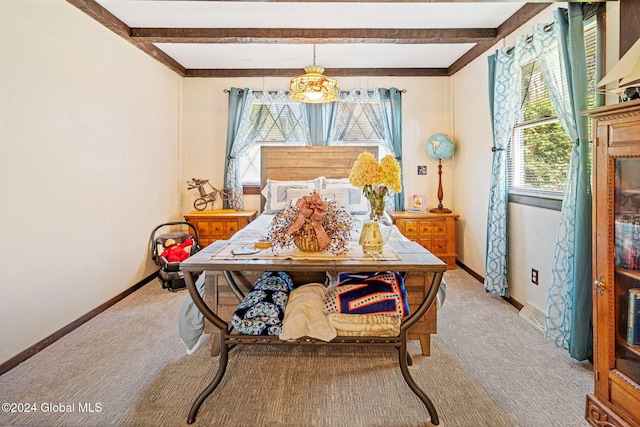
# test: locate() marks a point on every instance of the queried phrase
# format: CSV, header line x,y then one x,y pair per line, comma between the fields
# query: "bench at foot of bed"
x,y
218,294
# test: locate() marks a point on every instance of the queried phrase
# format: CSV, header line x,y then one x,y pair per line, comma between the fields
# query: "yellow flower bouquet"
x,y
376,180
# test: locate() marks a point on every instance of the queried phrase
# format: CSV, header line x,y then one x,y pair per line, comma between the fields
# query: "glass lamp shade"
x,y
313,87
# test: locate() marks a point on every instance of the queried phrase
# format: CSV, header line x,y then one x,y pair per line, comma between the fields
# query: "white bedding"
x,y
258,228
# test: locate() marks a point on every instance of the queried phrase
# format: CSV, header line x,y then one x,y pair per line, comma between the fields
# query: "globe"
x,y
439,146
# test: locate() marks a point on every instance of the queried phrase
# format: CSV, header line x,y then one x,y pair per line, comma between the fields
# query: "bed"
x,y
231,278
292,165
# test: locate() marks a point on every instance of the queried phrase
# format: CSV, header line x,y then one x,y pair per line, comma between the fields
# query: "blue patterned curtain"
x,y
503,75
568,319
248,124
320,118
237,105
392,108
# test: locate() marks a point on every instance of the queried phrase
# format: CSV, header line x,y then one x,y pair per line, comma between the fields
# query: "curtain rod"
x,y
529,38
286,92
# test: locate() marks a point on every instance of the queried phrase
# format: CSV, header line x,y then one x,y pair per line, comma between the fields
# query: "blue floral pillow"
x,y
262,310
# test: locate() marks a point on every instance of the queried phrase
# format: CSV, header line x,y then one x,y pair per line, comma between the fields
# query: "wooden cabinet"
x,y
435,232
616,264
219,224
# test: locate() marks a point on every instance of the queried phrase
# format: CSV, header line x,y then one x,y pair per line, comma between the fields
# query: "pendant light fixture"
x,y
313,86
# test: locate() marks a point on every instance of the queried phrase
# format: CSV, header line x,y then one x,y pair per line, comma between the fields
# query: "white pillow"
x,y
339,195
357,204
331,181
275,192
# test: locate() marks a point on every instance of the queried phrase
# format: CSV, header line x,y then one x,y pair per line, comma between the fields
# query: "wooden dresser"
x,y
219,224
616,266
435,232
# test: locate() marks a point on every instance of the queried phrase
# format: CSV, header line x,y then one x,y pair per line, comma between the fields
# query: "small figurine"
x,y
203,198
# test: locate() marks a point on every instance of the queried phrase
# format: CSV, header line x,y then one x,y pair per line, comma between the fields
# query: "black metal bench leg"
x,y
403,356
222,367
409,359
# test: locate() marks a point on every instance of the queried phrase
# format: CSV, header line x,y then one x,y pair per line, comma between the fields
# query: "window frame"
x,y
546,199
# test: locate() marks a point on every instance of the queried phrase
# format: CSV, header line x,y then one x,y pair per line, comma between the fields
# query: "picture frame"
x,y
419,202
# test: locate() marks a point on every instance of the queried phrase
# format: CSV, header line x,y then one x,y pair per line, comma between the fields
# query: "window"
x,y
356,122
540,150
359,122
275,123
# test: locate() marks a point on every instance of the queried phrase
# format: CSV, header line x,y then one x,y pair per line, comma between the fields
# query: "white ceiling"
x,y
311,15
327,55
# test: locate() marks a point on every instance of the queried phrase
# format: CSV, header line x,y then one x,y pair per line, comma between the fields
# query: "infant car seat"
x,y
170,275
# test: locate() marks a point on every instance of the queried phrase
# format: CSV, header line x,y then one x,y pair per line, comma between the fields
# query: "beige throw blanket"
x,y
303,316
365,325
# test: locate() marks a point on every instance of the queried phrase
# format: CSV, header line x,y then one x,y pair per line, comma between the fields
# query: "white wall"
x,y
612,54
426,110
472,158
532,231
89,164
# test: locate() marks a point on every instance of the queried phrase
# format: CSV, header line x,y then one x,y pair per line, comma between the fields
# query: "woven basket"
x,y
306,239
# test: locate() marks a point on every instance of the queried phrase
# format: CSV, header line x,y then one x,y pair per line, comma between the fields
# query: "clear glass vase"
x,y
376,196
377,208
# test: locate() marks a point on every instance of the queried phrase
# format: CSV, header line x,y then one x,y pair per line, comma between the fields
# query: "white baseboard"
x,y
533,315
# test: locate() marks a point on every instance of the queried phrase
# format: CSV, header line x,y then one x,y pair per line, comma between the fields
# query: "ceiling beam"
x,y
333,72
315,36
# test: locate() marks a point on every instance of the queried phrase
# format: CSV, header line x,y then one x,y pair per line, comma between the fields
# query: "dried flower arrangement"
x,y
312,224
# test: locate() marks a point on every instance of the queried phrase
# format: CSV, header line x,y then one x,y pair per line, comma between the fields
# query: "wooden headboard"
x,y
299,163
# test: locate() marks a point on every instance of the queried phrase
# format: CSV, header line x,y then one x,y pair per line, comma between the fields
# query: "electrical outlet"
x,y
422,170
534,276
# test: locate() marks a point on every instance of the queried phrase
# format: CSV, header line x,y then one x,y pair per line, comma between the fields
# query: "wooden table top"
x,y
414,258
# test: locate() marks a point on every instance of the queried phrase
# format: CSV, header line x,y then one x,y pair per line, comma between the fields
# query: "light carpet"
x,y
127,367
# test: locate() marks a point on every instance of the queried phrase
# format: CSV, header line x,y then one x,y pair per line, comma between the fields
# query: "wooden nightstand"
x,y
219,224
435,232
